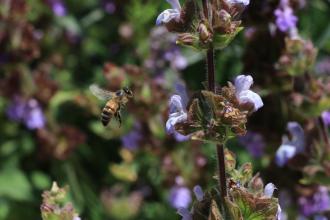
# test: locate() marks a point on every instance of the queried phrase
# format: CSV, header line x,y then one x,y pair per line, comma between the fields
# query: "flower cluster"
x,y
215,117
216,27
55,207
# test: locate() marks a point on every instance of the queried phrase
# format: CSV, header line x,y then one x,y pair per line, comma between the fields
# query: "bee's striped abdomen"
x,y
106,115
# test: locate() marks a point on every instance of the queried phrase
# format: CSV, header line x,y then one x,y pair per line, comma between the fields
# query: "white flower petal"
x,y
285,153
269,190
167,15
243,82
175,104
244,2
298,135
247,96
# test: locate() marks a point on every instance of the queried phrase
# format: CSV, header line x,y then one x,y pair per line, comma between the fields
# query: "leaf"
x,y
215,212
15,185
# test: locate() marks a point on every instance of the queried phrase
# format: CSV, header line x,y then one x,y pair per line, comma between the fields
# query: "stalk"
x,y
324,133
211,87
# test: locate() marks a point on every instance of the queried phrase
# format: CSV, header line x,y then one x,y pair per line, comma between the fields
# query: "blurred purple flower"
x,y
29,112
34,117
16,109
109,6
244,94
285,19
185,213
289,148
316,203
326,117
198,193
254,142
176,59
180,197
58,7
169,14
132,139
323,66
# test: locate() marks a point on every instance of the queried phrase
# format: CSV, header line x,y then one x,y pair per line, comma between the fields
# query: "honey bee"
x,y
115,102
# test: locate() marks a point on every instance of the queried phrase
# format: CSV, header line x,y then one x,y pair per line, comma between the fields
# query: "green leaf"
x,y
14,185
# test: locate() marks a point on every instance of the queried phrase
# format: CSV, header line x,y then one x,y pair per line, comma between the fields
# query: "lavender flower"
x,y
34,117
132,139
58,7
109,6
290,148
326,117
177,114
76,218
244,94
185,213
170,14
322,67
29,112
180,196
316,203
198,193
16,109
254,142
285,19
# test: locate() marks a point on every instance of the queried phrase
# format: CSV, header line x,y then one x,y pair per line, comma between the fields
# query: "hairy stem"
x,y
222,170
211,87
324,132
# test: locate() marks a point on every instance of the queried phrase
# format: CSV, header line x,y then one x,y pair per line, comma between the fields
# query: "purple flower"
x,y
244,94
316,203
323,67
58,7
198,193
16,109
109,6
285,19
180,197
254,142
132,139
29,112
170,14
326,117
185,213
289,148
34,117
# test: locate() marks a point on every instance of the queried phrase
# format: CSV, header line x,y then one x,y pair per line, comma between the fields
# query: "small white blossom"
x,y
269,190
244,2
169,14
244,94
177,113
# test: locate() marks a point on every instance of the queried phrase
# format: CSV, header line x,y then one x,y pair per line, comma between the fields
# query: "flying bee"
x,y
115,102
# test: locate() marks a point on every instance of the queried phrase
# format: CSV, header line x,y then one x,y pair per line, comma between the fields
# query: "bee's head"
x,y
128,92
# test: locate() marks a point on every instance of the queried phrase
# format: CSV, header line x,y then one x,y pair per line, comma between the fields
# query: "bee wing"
x,y
101,93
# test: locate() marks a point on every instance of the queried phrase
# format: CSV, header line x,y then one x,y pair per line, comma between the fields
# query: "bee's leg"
x,y
118,117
